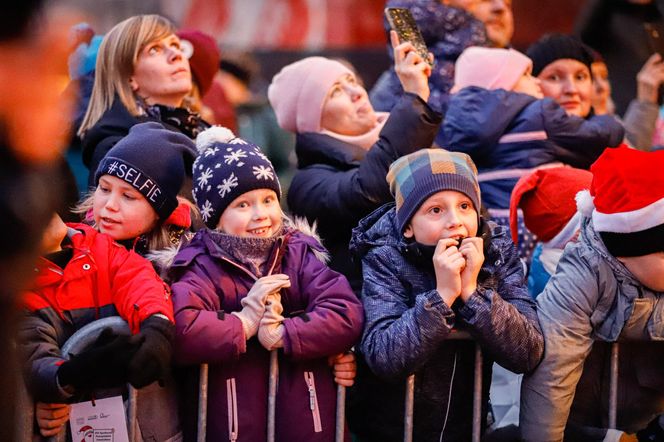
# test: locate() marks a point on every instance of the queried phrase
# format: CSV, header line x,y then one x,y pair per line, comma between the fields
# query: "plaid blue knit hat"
x,y
153,160
227,167
415,177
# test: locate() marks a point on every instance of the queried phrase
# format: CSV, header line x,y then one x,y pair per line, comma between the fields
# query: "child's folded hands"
x,y
271,330
253,305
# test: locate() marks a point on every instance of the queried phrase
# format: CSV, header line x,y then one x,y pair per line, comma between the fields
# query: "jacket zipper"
x,y
313,401
231,397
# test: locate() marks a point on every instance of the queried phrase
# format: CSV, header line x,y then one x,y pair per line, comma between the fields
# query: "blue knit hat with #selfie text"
x,y
154,161
227,167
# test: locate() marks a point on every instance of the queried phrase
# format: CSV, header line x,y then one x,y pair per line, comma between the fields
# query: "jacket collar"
x,y
316,148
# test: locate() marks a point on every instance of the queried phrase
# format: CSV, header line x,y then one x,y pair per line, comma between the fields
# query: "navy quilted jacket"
x,y
407,330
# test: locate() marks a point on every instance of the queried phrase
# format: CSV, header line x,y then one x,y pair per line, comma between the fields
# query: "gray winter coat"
x,y
407,326
592,296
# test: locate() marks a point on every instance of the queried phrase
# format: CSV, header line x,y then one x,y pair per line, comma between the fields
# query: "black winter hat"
x,y
552,47
152,159
227,167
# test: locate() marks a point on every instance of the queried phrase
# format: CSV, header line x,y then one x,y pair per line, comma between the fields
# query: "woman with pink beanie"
x,y
498,116
344,148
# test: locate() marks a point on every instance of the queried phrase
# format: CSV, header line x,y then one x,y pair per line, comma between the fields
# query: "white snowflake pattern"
x,y
227,184
263,173
210,152
207,211
259,154
235,155
237,141
204,177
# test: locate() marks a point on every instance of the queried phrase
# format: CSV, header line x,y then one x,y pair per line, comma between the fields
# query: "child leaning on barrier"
x,y
431,264
82,276
254,282
135,203
607,286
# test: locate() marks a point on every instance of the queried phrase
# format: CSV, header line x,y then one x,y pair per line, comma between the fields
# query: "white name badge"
x,y
102,422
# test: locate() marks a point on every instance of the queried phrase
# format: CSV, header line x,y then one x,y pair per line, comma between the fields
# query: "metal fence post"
x,y
408,414
613,386
201,430
272,395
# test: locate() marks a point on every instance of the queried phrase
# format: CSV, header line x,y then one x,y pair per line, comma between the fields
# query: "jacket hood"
x,y
592,243
379,228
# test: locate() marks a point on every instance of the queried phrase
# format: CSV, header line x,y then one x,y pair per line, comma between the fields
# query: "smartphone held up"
x,y
403,23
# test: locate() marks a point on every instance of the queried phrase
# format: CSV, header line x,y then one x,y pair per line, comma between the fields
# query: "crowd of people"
x,y
485,191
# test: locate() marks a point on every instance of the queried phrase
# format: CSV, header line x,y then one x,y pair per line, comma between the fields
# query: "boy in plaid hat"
x,y
607,287
253,282
431,264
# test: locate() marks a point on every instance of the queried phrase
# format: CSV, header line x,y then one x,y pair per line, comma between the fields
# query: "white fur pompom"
x,y
215,134
584,203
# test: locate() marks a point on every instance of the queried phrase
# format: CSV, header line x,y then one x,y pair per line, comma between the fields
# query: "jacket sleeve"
x,y
639,121
138,292
39,334
412,125
477,118
204,333
579,141
504,320
399,334
564,308
333,320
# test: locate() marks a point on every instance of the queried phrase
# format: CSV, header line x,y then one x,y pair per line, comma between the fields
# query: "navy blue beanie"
x,y
153,160
227,167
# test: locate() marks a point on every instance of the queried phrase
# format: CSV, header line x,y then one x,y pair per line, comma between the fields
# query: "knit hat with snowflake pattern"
x,y
227,167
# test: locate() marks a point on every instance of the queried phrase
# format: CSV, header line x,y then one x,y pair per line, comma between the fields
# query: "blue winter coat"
x,y
323,317
408,328
338,183
507,134
447,31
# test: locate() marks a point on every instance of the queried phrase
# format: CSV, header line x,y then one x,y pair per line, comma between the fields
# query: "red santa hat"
x,y
626,201
546,197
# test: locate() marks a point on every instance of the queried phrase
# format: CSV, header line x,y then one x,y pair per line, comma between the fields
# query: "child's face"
x,y
445,214
253,214
527,84
120,210
647,269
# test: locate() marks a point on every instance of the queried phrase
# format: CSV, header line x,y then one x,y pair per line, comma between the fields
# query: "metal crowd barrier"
x,y
273,381
75,344
477,393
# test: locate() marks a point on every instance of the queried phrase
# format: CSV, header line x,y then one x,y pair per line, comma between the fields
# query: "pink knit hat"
x,y
489,68
298,91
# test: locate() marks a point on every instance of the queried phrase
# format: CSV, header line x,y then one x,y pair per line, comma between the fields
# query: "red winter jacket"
x,y
102,279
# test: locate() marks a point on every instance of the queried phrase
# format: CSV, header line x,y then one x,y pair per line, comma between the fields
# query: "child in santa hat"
x,y
546,200
607,286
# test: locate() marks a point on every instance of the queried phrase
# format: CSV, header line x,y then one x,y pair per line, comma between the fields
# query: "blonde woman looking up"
x,y
141,75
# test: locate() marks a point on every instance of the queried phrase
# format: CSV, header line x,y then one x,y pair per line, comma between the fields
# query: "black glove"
x,y
103,365
152,361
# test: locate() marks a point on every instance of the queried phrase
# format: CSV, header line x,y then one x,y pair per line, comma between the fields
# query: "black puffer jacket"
x,y
337,183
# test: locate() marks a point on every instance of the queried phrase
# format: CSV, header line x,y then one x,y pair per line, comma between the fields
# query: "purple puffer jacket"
x,y
323,317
